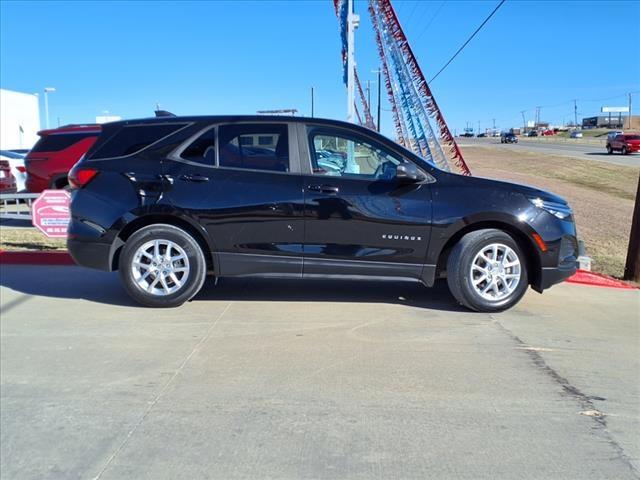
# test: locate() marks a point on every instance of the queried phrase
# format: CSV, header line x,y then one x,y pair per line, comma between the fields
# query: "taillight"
x,y
21,169
80,177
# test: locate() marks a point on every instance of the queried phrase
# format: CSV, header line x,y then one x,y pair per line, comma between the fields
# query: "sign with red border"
x,y
50,213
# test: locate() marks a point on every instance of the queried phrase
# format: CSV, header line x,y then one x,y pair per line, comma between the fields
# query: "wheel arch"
x,y
523,240
155,218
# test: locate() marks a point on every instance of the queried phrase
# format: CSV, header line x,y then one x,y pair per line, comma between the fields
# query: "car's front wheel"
x,y
162,266
624,150
487,271
609,149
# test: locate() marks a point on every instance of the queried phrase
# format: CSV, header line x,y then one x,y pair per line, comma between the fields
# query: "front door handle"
x,y
194,178
323,188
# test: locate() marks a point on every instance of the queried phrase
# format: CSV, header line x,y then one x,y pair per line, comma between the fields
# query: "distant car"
x,y
548,133
51,158
612,135
508,138
624,143
467,134
576,135
482,135
16,161
495,134
7,180
532,133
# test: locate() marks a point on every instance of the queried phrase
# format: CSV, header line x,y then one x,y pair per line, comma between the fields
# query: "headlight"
x,y
560,210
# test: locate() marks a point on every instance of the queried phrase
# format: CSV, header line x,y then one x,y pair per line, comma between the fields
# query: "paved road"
x,y
314,380
549,147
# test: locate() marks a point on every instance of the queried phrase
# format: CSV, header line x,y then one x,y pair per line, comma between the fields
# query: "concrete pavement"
x,y
312,380
556,147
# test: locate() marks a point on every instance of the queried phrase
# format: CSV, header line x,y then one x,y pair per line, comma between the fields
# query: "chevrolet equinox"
x,y
167,201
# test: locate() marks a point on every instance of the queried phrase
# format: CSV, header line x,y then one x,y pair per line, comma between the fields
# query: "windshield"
x,y
8,154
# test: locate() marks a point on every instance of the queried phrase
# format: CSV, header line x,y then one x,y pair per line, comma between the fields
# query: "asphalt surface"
x,y
314,380
593,152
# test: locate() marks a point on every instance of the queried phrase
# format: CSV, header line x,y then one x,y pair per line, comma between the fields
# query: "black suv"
x,y
508,137
169,200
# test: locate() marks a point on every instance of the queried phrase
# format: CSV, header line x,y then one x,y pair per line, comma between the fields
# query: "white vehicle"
x,y
576,134
612,135
16,162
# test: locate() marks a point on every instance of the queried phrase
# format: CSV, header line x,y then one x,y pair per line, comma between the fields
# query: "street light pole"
x,y
379,72
47,91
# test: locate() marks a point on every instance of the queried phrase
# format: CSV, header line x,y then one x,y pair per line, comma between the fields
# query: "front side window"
x,y
342,156
237,148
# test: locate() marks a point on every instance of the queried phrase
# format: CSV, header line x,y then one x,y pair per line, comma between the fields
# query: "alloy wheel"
x,y
160,267
495,272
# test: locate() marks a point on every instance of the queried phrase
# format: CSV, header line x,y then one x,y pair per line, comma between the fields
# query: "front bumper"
x,y
550,276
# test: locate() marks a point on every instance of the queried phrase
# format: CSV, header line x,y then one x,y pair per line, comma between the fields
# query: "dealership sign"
x,y
50,213
615,110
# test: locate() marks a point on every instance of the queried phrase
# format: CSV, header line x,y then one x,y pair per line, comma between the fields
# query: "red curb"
x,y
35,258
584,277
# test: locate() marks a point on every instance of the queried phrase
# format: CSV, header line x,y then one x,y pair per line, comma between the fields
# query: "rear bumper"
x,y
91,254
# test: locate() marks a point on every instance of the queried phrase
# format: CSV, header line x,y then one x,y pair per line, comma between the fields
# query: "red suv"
x,y
55,153
626,143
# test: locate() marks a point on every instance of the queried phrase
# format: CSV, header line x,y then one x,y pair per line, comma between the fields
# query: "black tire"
x,y
194,277
624,150
609,149
460,262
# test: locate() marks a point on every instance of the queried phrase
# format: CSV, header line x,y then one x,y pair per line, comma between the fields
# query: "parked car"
x,y
149,201
7,180
51,158
625,143
508,138
532,133
548,133
16,161
576,134
482,135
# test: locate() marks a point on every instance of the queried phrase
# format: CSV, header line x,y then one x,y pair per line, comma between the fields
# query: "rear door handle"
x,y
323,188
194,178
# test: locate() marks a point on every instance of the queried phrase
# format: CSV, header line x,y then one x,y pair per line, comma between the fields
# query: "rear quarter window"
x,y
133,138
60,141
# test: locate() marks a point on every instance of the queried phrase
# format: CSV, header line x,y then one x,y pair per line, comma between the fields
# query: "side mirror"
x,y
409,173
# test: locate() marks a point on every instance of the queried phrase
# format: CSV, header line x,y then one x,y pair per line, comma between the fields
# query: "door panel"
x,y
254,218
359,219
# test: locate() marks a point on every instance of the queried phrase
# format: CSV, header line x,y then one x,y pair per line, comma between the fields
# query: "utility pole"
x,y
632,265
575,113
353,21
630,117
379,87
369,94
312,102
524,122
478,126
537,117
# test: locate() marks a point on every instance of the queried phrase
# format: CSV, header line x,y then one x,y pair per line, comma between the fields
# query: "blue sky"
x,y
241,56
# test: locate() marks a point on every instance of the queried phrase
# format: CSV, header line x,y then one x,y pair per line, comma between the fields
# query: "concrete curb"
x,y
582,277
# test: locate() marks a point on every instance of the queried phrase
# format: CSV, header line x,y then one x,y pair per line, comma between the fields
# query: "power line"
x,y
410,18
468,40
430,21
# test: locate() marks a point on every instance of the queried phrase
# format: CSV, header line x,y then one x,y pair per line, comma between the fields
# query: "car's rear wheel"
x,y
609,149
487,271
162,266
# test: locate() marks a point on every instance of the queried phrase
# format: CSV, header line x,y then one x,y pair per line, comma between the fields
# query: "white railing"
x,y
16,206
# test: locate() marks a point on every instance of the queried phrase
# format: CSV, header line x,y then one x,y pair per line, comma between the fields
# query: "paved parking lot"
x,y
312,380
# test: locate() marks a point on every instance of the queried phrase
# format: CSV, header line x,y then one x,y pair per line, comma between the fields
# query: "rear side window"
x,y
203,149
133,138
240,147
60,141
